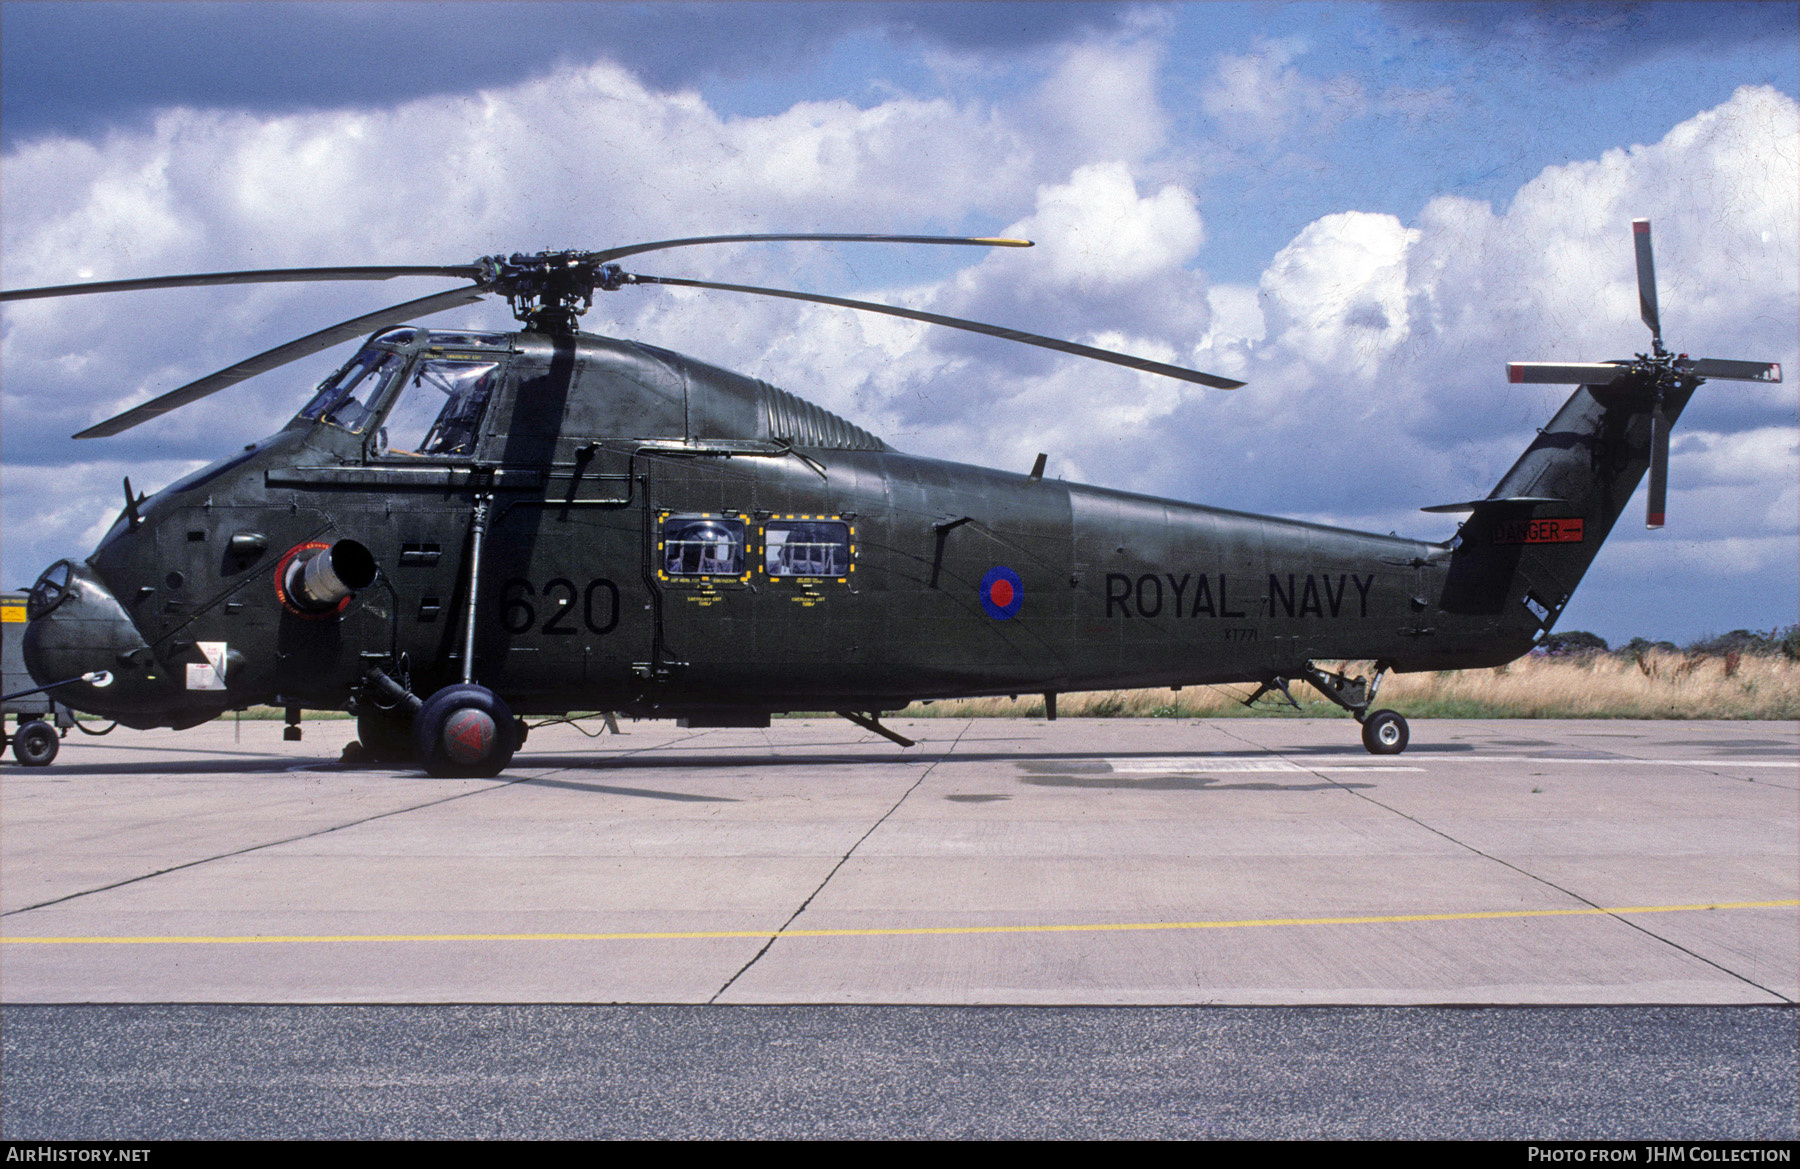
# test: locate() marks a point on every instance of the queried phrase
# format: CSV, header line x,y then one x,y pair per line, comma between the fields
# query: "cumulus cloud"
x,y
1390,330
1337,296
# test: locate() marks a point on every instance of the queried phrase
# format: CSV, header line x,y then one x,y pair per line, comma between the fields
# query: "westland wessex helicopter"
x,y
461,528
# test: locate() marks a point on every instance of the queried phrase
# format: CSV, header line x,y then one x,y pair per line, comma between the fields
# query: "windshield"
x,y
343,399
438,409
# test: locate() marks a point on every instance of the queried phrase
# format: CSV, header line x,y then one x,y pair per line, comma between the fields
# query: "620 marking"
x,y
599,606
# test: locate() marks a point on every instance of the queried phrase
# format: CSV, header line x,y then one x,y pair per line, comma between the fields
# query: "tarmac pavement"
x,y
1083,862
1093,928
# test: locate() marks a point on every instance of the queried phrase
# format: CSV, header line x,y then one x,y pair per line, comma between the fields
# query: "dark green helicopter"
x,y
464,527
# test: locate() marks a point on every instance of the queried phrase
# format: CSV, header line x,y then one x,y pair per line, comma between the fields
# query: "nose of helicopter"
x,y
77,632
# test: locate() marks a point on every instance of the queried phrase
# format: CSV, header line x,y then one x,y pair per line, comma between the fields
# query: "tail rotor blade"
x,y
1732,371
1659,470
1565,373
1646,272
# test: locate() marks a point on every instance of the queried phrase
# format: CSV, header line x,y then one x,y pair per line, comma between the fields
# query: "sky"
x,y
1362,210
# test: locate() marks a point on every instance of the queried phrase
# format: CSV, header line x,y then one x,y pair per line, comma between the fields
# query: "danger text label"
x,y
1566,531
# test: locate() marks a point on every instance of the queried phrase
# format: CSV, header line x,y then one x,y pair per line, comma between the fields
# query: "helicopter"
x,y
461,528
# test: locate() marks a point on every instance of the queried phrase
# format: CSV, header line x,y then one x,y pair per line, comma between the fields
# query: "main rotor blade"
x,y
1646,272
971,241
1658,499
258,276
281,355
1732,371
1565,373
1107,355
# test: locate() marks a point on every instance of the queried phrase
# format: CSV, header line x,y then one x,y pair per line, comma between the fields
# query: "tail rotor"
x,y
1651,375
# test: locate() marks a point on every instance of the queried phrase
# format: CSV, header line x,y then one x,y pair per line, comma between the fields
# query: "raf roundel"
x,y
1001,593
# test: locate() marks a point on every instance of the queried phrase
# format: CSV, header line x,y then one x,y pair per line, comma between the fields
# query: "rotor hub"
x,y
548,291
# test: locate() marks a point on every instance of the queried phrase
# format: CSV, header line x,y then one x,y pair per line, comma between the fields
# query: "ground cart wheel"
x,y
464,731
36,744
1385,733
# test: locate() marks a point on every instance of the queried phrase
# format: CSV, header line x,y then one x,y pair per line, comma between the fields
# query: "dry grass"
x,y
1657,685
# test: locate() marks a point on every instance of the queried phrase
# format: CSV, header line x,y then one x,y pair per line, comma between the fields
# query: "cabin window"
x,y
438,409
343,398
702,545
806,548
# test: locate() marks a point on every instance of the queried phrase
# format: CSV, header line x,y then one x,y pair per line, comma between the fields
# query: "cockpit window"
x,y
343,399
438,410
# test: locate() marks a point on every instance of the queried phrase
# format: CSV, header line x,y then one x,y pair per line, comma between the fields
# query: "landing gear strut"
x,y
466,730
1384,732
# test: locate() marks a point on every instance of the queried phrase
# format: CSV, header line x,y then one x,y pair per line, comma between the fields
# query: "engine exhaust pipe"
x,y
323,581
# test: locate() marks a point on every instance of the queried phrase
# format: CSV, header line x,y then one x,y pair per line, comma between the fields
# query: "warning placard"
x,y
1565,531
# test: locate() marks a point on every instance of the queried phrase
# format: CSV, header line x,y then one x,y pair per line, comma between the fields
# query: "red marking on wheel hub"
x,y
468,736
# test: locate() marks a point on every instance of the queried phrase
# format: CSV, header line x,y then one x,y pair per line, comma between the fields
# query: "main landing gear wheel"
x,y
464,732
36,744
1385,733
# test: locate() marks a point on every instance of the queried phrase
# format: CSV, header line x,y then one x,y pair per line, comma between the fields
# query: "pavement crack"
x,y
1545,881
254,848
308,835
792,917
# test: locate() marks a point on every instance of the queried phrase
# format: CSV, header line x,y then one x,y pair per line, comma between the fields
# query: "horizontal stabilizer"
x,y
1576,373
1509,501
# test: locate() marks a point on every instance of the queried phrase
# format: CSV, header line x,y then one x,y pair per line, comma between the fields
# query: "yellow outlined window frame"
x,y
662,561
762,547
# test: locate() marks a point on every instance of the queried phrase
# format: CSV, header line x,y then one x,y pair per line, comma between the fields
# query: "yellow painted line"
x,y
1107,927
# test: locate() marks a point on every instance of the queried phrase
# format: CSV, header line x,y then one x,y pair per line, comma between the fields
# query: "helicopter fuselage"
x,y
667,539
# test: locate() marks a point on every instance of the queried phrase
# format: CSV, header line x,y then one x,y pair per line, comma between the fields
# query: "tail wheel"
x,y
464,731
36,744
1385,733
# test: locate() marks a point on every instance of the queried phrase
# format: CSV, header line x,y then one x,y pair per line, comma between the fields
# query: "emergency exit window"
x,y
702,545
806,548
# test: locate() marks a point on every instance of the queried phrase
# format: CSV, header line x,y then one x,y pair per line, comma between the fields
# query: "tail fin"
x,y
1518,557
